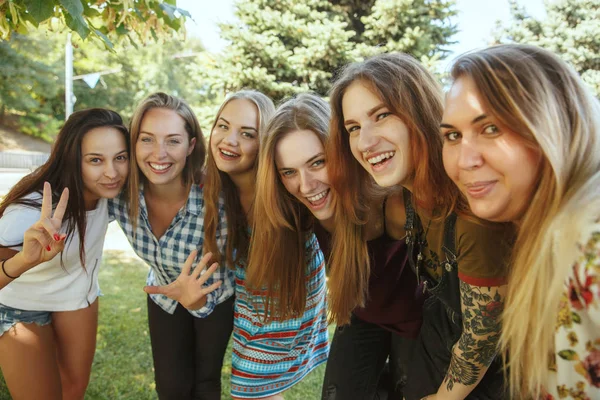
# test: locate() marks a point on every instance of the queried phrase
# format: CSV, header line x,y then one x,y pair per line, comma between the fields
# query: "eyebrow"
x,y
473,122
369,113
310,160
102,155
153,134
243,127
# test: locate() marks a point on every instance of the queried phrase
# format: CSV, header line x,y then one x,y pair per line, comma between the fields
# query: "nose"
x,y
366,139
307,182
110,171
470,155
231,138
160,150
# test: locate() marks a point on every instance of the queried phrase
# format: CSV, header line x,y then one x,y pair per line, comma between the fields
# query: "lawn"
x,y
123,362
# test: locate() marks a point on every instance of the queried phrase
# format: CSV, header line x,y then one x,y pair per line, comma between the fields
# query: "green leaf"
x,y
568,355
40,10
576,318
105,39
74,17
169,10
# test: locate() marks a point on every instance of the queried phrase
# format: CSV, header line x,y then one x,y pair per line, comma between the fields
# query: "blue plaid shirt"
x,y
166,256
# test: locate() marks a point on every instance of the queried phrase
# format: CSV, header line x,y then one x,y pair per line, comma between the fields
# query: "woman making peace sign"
x,y
48,304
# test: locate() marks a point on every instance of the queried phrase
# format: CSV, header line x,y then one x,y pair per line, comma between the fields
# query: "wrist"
x,y
16,265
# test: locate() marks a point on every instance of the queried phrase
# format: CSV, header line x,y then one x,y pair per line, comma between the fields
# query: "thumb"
x,y
155,290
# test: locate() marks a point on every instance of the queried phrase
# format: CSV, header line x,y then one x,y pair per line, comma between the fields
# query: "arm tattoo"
x,y
478,344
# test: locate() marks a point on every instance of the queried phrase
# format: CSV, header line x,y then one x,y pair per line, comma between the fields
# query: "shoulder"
x,y
483,250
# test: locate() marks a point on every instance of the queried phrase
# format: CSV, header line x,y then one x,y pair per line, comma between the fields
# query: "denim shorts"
x,y
9,317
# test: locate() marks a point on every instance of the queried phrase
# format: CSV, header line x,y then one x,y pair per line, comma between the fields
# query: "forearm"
x,y
462,377
477,346
14,266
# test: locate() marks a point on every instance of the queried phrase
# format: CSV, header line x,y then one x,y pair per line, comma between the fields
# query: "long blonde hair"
x,y
217,181
542,99
411,93
194,164
277,260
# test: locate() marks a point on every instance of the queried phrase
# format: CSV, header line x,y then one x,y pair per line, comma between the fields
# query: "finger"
x,y
212,287
61,208
202,265
39,236
203,277
46,201
187,267
50,229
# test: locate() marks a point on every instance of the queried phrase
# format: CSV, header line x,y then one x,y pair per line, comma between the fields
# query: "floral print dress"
x,y
576,372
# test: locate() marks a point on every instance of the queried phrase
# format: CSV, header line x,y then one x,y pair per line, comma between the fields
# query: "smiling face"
x,y
379,140
300,162
493,166
234,139
104,164
163,146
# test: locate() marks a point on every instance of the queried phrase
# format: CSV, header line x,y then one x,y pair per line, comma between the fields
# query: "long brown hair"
x,y
194,164
543,100
218,181
410,92
277,260
63,169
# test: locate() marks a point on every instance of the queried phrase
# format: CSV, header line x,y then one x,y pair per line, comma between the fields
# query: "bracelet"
x,y
6,273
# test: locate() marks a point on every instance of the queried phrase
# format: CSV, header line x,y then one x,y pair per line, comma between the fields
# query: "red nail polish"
x,y
48,248
56,237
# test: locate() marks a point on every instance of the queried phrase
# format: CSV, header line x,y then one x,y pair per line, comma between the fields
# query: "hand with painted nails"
x,y
42,241
188,289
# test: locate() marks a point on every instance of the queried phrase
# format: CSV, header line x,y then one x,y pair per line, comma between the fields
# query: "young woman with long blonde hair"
x,y
522,142
385,121
162,214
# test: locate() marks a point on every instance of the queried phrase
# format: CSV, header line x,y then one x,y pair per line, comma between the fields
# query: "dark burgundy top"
x,y
393,302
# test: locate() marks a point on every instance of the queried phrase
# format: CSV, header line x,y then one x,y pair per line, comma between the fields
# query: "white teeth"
x,y
230,154
318,197
381,157
160,167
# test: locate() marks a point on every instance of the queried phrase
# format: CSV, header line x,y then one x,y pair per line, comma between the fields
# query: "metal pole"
x,y
68,78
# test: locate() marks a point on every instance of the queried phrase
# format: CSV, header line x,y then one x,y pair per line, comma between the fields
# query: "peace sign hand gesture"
x,y
41,241
188,289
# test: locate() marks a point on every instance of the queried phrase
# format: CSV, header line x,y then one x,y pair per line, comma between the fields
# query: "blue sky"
x,y
476,20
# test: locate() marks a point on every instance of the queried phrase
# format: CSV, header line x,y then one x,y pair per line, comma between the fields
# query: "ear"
x,y
192,146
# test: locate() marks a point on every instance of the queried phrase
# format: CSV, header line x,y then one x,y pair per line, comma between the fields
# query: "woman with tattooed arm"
x,y
385,123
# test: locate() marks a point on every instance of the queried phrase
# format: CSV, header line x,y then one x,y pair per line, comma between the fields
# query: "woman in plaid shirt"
x,y
162,215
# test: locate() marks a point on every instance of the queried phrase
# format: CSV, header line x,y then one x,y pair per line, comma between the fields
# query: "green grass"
x,y
123,363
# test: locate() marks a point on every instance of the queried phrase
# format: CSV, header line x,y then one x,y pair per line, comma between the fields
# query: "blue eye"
x,y
318,163
247,135
383,115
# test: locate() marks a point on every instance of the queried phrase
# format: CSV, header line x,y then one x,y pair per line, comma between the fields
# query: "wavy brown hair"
x,y
194,164
411,93
218,182
277,260
542,99
63,170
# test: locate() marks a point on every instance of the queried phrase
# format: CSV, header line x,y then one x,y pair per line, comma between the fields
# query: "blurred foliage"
x,y
282,47
571,29
32,77
136,20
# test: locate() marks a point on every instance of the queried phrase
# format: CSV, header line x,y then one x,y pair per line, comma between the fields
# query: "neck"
x,y
90,203
171,192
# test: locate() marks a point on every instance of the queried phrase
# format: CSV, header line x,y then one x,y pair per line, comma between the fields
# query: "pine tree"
x,y
281,47
571,29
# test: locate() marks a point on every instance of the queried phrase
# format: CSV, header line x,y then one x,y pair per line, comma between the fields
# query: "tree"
x,y
283,47
99,18
571,29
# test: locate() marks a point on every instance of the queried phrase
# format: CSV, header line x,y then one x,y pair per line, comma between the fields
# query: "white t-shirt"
x,y
49,286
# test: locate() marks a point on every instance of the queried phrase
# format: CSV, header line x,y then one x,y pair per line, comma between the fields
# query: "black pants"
x,y
357,358
188,351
